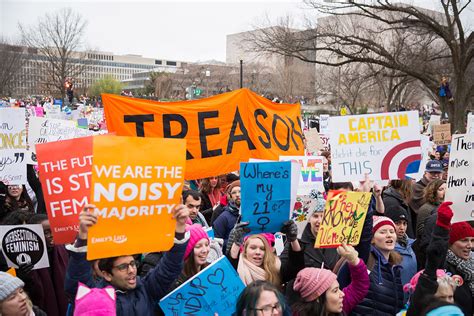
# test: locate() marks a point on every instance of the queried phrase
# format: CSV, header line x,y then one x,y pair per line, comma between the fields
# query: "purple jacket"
x,y
357,290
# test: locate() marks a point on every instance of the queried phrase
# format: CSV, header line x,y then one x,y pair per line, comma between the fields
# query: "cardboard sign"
x,y
214,290
343,218
136,183
460,178
381,145
325,140
268,194
24,244
12,146
313,141
311,176
304,208
442,134
65,169
221,131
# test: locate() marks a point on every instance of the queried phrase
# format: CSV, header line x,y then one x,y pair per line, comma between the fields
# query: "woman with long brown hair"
x,y
433,195
397,196
210,189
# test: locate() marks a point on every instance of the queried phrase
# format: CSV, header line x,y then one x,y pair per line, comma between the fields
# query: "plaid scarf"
x,y
464,267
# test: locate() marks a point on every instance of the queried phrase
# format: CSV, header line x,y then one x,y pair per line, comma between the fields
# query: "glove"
x,y
24,270
290,229
445,214
237,233
349,253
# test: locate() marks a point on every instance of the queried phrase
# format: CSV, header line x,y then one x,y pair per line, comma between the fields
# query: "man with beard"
x,y
226,221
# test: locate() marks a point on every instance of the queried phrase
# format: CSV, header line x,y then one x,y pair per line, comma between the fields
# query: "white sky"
x,y
178,30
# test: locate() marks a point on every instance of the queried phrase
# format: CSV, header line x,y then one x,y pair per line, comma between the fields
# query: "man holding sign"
x,y
135,296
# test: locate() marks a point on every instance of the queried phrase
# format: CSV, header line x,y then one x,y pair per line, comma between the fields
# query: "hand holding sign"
x,y
86,220
181,214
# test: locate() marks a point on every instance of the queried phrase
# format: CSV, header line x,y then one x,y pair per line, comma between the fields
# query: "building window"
x,y
170,63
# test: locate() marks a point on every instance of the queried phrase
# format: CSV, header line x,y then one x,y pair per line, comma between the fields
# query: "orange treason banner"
x,y
135,186
221,131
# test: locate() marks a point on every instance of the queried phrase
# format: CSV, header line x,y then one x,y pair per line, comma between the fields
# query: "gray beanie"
x,y
8,285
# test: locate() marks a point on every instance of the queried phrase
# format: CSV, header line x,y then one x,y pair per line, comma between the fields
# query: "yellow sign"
x,y
136,183
343,218
343,111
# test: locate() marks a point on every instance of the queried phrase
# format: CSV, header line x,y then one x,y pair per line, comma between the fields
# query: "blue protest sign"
x,y
268,194
82,123
214,290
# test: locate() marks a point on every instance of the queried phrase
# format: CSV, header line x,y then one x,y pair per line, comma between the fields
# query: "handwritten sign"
x,y
304,208
65,169
313,142
214,290
442,134
268,193
311,176
12,146
24,244
460,178
325,140
324,123
44,130
381,145
343,218
135,194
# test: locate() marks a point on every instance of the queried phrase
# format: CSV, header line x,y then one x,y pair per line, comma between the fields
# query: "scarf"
x,y
464,267
214,196
249,272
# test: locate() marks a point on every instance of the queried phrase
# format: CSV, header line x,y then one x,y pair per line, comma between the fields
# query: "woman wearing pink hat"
x,y
319,292
195,256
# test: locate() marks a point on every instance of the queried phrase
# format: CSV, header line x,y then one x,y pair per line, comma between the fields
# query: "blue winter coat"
x,y
225,222
141,301
409,263
385,296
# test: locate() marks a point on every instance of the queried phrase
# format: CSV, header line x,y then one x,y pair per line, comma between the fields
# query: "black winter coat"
x,y
313,257
385,296
393,201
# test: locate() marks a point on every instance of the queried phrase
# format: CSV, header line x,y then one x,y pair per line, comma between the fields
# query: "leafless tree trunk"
x,y
58,38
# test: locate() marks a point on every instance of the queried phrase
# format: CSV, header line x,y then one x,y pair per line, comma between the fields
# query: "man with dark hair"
x,y
135,296
192,200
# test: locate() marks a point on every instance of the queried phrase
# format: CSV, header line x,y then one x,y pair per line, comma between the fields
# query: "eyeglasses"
x,y
269,309
124,266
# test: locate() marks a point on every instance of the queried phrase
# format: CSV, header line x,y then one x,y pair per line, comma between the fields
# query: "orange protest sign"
x,y
221,131
136,183
65,173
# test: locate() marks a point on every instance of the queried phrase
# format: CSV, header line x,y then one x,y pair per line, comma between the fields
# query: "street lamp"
x,y
241,74
208,75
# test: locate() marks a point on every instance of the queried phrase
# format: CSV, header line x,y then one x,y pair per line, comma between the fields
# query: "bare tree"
x,y
58,39
11,61
420,43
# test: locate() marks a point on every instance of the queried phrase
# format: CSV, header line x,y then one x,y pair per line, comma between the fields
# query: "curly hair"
x,y
430,193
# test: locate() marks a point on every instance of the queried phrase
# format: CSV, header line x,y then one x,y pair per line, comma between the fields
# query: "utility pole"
x,y
241,74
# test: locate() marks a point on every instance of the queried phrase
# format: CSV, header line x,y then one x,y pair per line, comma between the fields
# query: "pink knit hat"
x,y
196,233
380,221
268,236
411,286
95,301
311,283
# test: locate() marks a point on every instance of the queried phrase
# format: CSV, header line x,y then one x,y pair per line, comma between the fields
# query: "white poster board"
x,y
24,244
324,124
460,178
311,175
12,146
381,145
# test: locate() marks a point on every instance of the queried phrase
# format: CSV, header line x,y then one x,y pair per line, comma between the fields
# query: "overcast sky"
x,y
178,30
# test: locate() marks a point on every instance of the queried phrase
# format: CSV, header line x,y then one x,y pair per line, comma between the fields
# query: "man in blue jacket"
x,y
135,296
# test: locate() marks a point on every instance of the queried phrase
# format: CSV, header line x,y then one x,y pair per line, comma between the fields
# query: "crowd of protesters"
x,y
411,260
